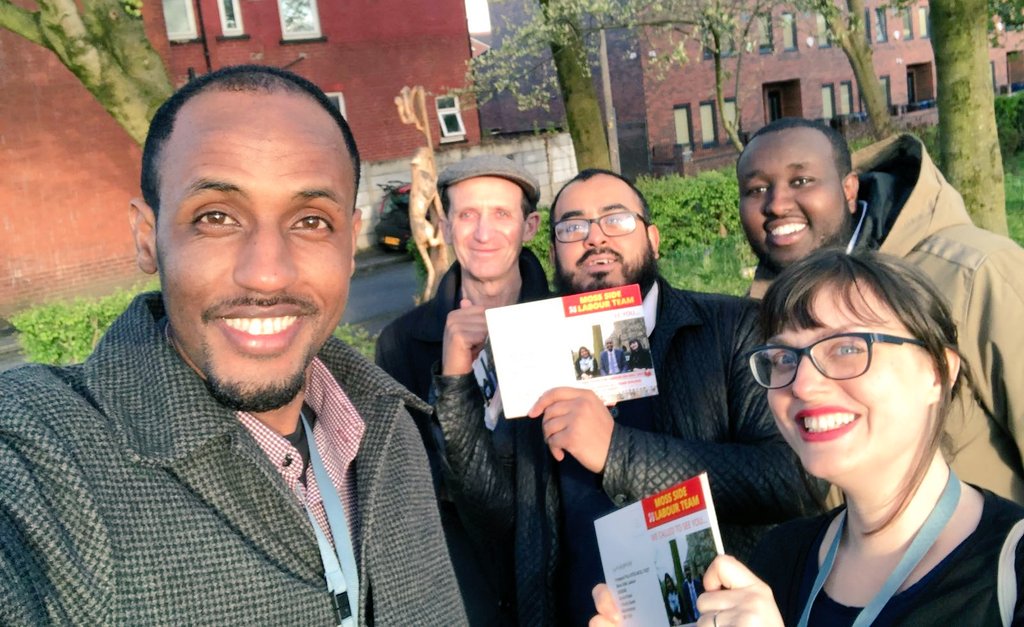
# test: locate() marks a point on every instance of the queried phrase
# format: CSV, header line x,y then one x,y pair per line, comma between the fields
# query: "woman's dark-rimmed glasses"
x,y
839,357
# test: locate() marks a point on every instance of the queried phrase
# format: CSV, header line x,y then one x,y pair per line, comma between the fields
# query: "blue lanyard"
x,y
925,538
340,569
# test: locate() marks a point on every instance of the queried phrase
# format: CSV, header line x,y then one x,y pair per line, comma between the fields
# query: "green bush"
x,y
66,332
1010,124
1014,183
724,267
693,211
540,245
358,338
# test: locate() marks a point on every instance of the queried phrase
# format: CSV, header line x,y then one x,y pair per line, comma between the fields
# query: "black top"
x,y
962,585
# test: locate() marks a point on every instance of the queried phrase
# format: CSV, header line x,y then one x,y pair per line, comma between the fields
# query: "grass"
x,y
1014,175
725,267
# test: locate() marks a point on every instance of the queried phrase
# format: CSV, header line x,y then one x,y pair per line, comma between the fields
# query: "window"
x,y
708,125
765,43
729,113
230,17
788,32
867,25
992,67
299,19
923,22
684,129
908,25
828,101
824,41
448,115
881,26
180,19
338,100
887,90
845,98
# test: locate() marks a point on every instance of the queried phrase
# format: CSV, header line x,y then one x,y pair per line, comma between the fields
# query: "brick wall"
x,y
800,73
69,170
370,49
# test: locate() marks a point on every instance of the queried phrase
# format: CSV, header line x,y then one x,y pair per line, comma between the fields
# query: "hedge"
x,y
66,332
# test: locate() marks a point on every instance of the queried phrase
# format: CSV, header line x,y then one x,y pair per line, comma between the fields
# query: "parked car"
x,y
392,228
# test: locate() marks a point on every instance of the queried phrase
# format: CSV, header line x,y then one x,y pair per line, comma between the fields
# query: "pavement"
x,y
367,262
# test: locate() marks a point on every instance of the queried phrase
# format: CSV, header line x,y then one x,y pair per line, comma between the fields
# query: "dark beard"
x,y
645,274
241,397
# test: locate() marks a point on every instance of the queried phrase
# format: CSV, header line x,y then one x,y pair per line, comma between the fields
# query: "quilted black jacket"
x,y
711,416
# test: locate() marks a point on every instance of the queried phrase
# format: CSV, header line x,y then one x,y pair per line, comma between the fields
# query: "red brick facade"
x,y
795,78
70,170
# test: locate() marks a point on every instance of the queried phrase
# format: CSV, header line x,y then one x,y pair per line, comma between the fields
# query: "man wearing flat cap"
x,y
490,205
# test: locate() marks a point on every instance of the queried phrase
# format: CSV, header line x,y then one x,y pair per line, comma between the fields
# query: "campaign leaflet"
x,y
596,340
655,553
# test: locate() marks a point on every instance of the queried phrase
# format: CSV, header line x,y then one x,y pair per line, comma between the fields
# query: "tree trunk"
x,y
105,47
582,111
852,38
968,141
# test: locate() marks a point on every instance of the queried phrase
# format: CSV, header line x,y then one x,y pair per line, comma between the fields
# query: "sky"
x,y
477,16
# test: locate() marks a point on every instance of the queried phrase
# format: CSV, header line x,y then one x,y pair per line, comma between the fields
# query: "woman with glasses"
x,y
860,368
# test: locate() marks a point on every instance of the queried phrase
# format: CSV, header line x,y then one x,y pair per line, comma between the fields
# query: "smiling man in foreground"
x,y
219,458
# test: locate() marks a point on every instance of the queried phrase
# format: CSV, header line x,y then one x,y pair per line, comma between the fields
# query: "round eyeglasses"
x,y
839,357
611,224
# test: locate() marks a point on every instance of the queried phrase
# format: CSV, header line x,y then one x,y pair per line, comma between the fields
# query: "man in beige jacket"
x,y
800,190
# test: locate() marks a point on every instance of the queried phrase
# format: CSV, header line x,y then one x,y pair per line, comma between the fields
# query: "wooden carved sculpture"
x,y
424,224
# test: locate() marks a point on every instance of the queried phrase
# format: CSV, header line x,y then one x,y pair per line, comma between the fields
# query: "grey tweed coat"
x,y
128,496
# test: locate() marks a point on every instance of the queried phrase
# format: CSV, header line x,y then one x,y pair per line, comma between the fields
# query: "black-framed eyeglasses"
x,y
841,356
611,224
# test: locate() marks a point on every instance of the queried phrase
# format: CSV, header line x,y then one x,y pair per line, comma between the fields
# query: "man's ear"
x,y
143,223
357,226
655,238
851,185
446,229
530,226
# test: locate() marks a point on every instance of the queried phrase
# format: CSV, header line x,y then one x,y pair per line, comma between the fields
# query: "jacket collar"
x,y
907,196
676,309
449,291
160,408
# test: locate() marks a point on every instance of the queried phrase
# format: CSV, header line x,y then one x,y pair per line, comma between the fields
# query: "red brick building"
x,y
69,170
791,69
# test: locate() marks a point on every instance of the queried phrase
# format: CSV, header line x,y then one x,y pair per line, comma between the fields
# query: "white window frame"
x,y
338,98
315,33
226,30
186,35
450,112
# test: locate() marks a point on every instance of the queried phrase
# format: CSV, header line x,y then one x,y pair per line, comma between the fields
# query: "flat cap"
x,y
489,165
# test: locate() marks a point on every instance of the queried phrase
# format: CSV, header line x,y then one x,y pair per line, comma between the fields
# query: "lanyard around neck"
x,y
925,538
340,569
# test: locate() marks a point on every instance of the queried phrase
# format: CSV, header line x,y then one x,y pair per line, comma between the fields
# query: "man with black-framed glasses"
x,y
585,459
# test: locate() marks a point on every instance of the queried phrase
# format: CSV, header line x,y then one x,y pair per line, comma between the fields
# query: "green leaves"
x,y
693,211
64,333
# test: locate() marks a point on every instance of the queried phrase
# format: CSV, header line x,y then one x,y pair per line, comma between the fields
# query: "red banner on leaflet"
x,y
602,300
680,500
